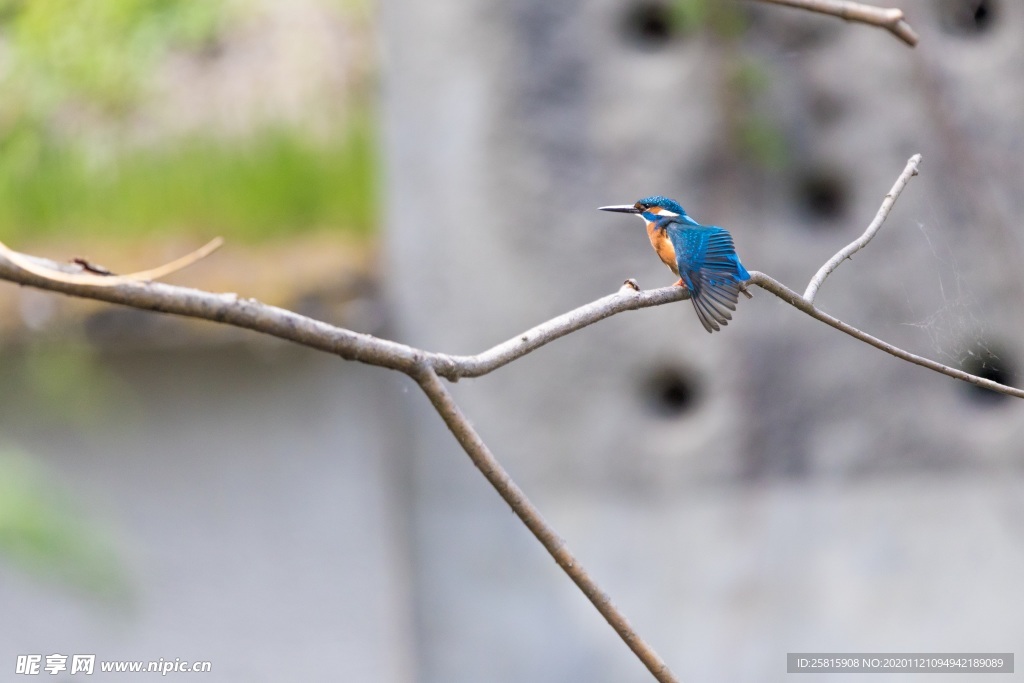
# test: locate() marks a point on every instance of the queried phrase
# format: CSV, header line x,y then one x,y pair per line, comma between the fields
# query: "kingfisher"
x,y
702,256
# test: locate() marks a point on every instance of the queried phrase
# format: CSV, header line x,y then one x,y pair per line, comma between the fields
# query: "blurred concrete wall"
x,y
772,488
256,513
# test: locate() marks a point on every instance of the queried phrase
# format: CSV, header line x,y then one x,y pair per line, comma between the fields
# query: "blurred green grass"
x,y
274,183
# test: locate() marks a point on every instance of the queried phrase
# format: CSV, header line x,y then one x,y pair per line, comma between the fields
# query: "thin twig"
x,y
859,243
489,466
89,276
888,18
174,266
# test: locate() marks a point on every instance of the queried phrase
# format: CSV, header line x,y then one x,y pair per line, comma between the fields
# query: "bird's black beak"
x,y
621,208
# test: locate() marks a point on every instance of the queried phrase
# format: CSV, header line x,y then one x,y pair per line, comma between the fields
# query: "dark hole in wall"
x,y
822,194
649,25
967,17
670,392
987,364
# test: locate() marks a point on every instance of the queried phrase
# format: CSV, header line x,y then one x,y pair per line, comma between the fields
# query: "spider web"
x,y
955,331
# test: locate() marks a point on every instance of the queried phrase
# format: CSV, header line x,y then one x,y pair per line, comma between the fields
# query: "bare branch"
x,y
799,302
888,18
534,521
229,309
254,315
626,299
859,243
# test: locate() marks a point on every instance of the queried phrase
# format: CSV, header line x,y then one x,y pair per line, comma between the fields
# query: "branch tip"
x,y
891,19
853,247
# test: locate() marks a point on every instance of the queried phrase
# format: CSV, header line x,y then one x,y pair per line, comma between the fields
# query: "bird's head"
x,y
651,209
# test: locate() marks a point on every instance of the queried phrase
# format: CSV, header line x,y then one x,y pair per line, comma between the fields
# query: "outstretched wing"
x,y
712,271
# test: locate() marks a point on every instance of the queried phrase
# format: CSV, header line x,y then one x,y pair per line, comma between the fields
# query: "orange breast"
x,y
663,246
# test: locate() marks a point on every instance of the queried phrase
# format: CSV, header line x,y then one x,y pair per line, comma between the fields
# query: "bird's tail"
x,y
714,296
718,283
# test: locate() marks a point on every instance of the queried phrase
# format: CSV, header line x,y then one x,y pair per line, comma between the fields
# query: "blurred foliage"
x,y
65,383
758,138
93,57
748,77
751,129
762,142
690,15
274,183
725,19
98,50
43,532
